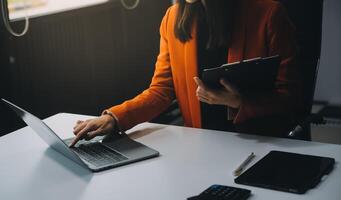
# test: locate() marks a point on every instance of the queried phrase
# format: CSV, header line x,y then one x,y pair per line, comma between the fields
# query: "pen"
x,y
241,167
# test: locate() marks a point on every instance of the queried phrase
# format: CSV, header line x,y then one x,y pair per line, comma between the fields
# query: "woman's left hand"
x,y
227,96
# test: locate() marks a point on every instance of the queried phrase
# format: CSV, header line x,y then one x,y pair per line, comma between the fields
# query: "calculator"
x,y
222,192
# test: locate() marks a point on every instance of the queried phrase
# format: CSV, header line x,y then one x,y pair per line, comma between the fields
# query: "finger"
x,y
210,94
201,87
199,82
227,85
75,140
77,123
79,128
93,134
204,100
206,92
76,126
203,97
80,135
202,92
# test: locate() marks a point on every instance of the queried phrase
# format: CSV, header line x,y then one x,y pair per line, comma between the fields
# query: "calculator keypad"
x,y
221,192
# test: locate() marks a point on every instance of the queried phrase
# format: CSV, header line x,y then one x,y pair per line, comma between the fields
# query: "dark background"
x,y
85,60
80,61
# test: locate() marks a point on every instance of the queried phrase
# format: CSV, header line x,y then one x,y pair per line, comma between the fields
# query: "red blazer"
x,y
262,29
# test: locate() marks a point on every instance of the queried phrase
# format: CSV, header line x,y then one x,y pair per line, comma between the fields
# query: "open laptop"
x,y
98,154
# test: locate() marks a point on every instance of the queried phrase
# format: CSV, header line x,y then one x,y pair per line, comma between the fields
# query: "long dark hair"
x,y
219,17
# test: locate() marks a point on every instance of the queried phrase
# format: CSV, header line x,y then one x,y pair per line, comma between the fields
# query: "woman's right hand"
x,y
103,125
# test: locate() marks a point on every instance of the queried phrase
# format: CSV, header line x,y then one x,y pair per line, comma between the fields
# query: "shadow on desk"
x,y
144,132
277,141
49,175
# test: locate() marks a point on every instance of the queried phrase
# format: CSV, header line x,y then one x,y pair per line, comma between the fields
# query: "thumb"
x,y
199,82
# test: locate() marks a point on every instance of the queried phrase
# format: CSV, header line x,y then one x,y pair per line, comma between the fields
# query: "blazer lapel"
x,y
191,70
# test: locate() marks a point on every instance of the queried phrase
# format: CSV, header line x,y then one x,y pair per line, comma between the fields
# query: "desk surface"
x,y
190,161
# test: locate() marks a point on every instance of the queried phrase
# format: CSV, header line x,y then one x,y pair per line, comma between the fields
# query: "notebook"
x,y
285,171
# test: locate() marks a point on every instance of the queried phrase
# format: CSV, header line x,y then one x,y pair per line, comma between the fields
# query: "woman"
x,y
197,33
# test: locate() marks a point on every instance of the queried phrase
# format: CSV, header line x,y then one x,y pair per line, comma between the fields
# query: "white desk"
x,y
190,161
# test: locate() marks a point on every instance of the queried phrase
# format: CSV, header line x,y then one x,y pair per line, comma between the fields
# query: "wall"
x,y
328,86
80,61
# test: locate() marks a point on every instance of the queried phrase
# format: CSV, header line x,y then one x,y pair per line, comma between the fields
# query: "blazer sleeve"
x,y
157,97
286,99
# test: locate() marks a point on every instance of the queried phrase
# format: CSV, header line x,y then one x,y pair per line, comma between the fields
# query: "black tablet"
x,y
289,172
253,75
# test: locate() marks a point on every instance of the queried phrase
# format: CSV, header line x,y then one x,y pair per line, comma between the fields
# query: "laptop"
x,y
99,154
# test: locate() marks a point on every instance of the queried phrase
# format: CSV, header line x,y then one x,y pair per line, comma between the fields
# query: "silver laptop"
x,y
98,154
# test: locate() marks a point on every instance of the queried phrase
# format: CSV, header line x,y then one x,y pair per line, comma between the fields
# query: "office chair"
x,y
307,17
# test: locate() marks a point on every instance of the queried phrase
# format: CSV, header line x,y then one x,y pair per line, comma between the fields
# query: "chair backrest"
x,y
307,17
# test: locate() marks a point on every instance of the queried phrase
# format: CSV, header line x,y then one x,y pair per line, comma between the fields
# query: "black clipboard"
x,y
289,172
253,75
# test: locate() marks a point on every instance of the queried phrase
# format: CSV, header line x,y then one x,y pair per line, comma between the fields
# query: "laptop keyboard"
x,y
98,154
